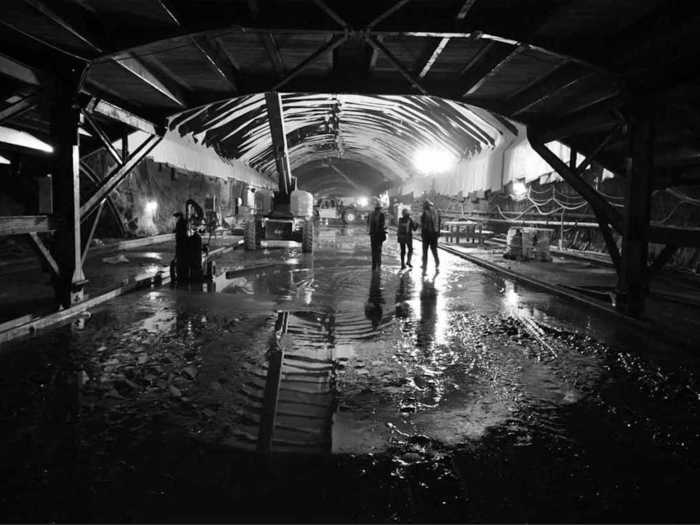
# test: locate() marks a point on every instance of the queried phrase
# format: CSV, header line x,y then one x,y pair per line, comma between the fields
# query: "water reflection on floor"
x,y
394,395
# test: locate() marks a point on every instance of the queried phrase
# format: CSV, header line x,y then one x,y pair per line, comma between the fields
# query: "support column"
x,y
65,117
632,286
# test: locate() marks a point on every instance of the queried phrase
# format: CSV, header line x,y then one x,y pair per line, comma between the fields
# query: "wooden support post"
x,y
632,284
93,228
106,142
65,118
279,141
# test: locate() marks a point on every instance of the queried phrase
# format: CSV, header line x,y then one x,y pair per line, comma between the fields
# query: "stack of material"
x,y
541,239
524,244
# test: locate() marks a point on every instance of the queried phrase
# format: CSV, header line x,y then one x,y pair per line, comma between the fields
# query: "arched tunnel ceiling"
x,y
573,70
381,132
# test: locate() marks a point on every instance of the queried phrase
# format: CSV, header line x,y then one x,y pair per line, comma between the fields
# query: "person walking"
x,y
430,232
406,227
377,233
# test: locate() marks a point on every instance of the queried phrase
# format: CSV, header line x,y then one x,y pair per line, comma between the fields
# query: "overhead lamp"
x,y
519,189
3,160
433,160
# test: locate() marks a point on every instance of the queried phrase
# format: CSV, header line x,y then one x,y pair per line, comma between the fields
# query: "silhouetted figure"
x,y
374,309
182,263
425,334
430,232
377,233
406,227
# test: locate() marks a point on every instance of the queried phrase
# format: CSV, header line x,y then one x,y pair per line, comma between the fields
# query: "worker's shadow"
x,y
374,310
425,329
404,292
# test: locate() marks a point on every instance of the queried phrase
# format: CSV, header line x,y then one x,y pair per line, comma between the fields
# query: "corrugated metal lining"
x,y
383,131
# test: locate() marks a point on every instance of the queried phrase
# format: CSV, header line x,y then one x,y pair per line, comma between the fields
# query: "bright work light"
x,y
433,160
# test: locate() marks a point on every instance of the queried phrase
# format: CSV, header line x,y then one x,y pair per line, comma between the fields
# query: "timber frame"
x,y
586,80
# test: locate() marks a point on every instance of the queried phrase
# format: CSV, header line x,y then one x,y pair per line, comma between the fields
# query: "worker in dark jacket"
x,y
430,231
377,233
405,237
181,253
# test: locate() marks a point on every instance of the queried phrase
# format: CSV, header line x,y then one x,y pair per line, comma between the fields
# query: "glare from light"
x,y
519,189
3,160
433,160
363,201
151,207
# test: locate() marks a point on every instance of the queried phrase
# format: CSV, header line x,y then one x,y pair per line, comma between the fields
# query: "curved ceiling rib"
x,y
381,131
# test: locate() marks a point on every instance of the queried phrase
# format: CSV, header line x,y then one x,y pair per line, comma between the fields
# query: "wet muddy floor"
x,y
307,388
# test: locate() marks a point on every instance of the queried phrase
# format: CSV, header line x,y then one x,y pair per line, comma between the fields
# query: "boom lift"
x,y
286,215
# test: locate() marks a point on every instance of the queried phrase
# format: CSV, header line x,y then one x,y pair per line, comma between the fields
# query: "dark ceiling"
x,y
572,69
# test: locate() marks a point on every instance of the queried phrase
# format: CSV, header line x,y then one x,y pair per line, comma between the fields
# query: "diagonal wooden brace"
x,y
603,210
103,138
45,253
119,174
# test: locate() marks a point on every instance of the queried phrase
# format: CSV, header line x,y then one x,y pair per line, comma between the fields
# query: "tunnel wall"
x,y
176,170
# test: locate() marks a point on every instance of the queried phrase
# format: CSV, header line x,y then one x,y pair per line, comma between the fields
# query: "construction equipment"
x,y
286,215
191,263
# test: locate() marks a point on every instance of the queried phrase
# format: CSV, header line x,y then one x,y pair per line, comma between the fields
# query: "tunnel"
x,y
325,261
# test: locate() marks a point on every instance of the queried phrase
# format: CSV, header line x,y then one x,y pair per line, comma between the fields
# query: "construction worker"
x,y
430,232
406,227
377,233
182,266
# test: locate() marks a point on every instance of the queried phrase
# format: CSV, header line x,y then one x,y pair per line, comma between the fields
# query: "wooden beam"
x,y
379,46
442,44
15,69
331,13
596,151
65,24
275,115
21,106
217,59
632,283
169,11
324,49
106,142
156,80
86,171
386,14
489,60
273,52
610,244
433,57
561,78
44,253
23,224
114,112
583,124
119,174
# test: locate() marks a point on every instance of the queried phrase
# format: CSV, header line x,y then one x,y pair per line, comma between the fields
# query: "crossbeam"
x,y
556,81
42,8
21,106
147,75
114,112
491,58
323,50
217,59
23,224
379,46
103,138
119,174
